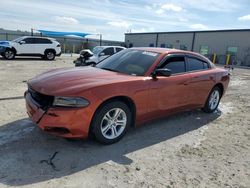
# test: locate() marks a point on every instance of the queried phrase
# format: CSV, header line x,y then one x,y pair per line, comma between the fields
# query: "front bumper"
x,y
63,122
59,54
2,49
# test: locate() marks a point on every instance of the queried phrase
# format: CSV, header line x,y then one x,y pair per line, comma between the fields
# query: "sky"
x,y
113,18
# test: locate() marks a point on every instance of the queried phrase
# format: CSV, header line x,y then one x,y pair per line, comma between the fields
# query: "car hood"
x,y
5,42
72,81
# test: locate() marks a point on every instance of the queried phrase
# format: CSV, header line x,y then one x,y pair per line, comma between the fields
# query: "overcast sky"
x,y
114,18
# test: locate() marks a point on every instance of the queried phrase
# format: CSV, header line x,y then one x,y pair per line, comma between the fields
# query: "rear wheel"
x,y
9,54
213,100
111,121
50,55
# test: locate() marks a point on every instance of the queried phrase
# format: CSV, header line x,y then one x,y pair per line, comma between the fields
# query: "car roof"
x,y
167,51
159,50
111,46
38,37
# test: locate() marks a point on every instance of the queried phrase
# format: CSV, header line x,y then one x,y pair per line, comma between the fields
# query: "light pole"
x,y
100,40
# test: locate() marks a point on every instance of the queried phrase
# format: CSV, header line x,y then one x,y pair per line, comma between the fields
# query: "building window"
x,y
170,46
232,50
204,50
151,45
183,47
163,46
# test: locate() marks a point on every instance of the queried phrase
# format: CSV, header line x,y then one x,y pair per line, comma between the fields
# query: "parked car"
x,y
98,54
127,89
45,47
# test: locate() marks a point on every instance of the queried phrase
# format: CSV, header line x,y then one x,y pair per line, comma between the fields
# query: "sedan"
x,y
129,88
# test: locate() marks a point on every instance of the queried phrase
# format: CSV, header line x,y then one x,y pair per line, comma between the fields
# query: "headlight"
x,y
70,102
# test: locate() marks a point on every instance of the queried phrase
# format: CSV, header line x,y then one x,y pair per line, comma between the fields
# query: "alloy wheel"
x,y
214,99
113,123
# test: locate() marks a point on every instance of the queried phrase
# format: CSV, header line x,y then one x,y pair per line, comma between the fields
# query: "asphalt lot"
x,y
190,149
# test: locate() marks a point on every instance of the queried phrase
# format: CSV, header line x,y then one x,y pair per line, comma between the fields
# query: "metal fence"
x,y
69,44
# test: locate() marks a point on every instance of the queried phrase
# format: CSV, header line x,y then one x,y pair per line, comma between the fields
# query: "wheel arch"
x,y
125,99
220,85
11,48
49,49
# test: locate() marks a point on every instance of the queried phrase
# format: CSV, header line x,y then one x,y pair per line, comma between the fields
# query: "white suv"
x,y
45,47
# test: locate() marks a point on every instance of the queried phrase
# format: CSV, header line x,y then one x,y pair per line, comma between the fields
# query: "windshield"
x,y
18,39
97,49
129,61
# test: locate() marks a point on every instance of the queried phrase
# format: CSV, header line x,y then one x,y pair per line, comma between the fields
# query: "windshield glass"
x,y
18,39
130,61
97,49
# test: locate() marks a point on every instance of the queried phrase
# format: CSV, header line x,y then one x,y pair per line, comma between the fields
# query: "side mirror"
x,y
102,54
162,72
22,42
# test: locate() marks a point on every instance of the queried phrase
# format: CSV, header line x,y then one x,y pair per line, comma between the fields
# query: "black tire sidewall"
x,y
207,108
46,55
8,51
96,123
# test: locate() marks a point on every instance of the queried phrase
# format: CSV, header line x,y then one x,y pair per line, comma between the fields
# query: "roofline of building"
x,y
180,32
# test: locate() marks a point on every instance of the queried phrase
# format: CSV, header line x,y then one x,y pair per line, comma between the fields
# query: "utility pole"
x,y
100,39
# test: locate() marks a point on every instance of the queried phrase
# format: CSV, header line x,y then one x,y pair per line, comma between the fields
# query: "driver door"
x,y
26,47
170,94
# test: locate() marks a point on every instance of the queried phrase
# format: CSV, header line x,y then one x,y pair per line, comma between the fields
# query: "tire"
x,y
49,55
213,100
106,128
9,54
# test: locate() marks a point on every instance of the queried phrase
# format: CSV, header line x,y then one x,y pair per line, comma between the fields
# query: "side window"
x,y
118,49
175,64
195,64
108,51
42,41
29,40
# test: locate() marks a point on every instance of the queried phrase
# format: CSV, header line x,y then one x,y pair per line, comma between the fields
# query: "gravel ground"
x,y
190,149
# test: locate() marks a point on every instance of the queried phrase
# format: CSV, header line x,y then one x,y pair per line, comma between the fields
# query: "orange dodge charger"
x,y
129,88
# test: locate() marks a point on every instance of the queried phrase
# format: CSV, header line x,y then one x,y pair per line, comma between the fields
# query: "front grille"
x,y
44,101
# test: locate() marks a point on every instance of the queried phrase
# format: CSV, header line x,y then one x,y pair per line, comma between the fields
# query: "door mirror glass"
x,y
163,72
22,42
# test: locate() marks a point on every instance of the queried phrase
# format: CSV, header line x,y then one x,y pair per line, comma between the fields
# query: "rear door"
x,y
41,44
201,79
171,93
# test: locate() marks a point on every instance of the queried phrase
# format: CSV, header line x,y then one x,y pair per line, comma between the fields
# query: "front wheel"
x,y
9,54
111,121
213,100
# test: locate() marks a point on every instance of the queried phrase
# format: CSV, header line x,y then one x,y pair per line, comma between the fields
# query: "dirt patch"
x,y
191,149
